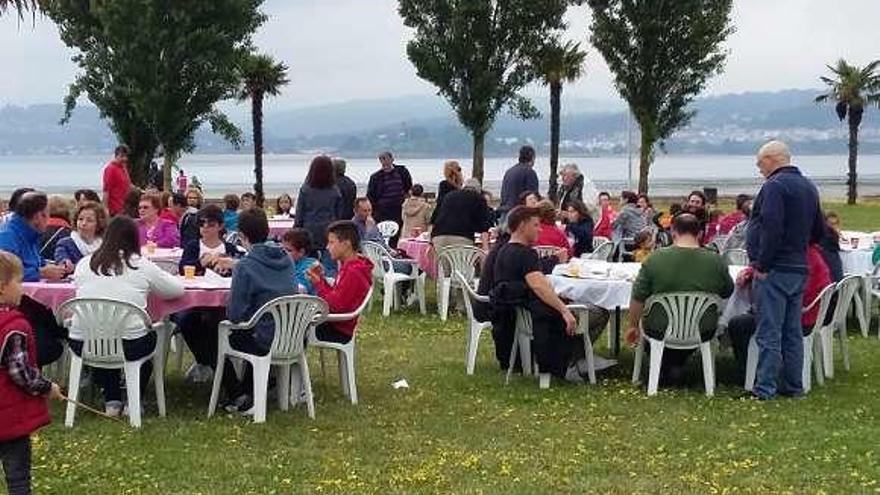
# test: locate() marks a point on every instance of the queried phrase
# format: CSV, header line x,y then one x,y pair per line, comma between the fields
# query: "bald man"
x,y
785,217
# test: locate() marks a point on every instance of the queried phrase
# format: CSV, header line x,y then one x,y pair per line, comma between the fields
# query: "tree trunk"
x,y
257,117
646,157
851,182
555,97
167,166
479,144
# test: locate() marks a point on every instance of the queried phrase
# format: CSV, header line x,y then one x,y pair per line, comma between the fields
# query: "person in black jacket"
x,y
579,226
462,214
188,219
387,189
347,188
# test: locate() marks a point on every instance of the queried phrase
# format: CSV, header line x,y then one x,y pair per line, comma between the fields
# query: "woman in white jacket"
x,y
117,271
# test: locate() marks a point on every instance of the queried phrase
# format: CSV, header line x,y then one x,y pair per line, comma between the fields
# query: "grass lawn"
x,y
452,433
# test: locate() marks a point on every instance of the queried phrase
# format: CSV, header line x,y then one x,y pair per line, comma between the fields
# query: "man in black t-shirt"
x,y
519,281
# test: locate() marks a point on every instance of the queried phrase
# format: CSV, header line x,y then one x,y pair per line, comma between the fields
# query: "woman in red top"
x,y
549,234
603,226
352,282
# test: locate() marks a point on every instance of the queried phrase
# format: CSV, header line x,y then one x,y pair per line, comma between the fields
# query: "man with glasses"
x,y
117,182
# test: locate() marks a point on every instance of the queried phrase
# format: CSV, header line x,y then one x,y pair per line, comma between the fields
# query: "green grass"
x,y
452,433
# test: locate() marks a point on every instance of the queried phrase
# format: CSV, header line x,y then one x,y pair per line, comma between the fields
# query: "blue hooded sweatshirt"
x,y
265,273
21,239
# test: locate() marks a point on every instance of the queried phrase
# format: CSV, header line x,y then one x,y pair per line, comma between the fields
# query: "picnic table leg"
x,y
615,332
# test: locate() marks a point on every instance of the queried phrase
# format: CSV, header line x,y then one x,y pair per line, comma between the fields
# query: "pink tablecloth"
x,y
53,295
421,251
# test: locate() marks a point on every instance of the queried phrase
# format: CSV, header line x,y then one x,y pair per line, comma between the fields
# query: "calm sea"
x,y
670,175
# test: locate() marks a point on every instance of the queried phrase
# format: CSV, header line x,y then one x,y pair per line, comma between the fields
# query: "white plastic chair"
x,y
546,251
601,252
812,348
736,257
464,259
684,310
292,316
474,327
383,272
847,290
345,353
598,240
388,229
102,323
522,345
873,295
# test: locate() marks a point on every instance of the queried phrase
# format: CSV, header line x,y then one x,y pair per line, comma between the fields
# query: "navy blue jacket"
x,y
264,274
785,218
21,239
517,180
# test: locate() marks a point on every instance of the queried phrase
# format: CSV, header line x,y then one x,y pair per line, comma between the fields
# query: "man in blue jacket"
x,y
785,218
20,235
519,179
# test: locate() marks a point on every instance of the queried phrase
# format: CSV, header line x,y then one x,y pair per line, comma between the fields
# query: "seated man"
x,y
682,267
20,235
352,284
367,231
265,273
519,282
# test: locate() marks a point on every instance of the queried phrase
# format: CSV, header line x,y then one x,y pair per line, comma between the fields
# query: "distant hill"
x,y
424,125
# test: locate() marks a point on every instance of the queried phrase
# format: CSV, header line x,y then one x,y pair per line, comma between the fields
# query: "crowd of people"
x,y
102,242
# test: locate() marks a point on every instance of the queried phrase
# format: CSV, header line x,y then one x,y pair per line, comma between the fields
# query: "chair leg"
x,y
283,387
751,365
307,383
513,351
473,343
828,350
321,358
817,359
261,388
708,368
806,373
159,381
218,379
543,381
859,308
637,362
588,356
525,343
73,378
388,298
420,288
655,360
343,375
350,373
133,385
181,345
445,289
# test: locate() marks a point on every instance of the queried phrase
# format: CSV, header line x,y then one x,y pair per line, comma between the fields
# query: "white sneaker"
x,y
199,373
113,408
572,375
125,410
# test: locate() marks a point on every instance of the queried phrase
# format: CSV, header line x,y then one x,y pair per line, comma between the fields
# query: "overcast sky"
x,y
342,50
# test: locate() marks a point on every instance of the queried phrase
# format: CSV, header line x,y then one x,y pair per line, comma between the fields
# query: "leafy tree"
x,y
166,63
20,6
557,64
260,76
852,89
478,54
661,53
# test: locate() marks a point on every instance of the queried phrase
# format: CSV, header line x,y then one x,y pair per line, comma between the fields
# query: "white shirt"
x,y
204,249
132,286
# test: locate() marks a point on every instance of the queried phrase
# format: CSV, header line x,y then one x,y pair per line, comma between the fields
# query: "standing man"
x,y
785,216
572,187
116,181
182,182
347,187
518,179
387,189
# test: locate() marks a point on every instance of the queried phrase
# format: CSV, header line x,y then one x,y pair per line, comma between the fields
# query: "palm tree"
x,y
852,89
20,6
261,76
556,64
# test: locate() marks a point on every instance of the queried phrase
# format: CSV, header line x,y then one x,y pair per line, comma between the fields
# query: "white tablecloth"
x,y
856,240
857,262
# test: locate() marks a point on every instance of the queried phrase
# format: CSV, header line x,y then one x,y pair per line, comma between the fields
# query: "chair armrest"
x,y
228,325
341,317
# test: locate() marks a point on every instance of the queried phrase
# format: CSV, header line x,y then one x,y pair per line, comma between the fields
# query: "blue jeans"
x,y
778,301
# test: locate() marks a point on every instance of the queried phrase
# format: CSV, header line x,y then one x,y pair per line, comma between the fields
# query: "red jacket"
x,y
352,284
818,277
551,235
603,226
20,413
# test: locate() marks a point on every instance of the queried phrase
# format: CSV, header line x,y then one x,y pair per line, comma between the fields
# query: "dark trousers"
x,y
554,349
199,330
16,457
244,342
394,214
133,350
47,333
328,333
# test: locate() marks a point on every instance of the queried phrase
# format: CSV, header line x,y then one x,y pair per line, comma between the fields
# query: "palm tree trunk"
x,y
852,179
167,166
646,156
257,117
479,144
555,97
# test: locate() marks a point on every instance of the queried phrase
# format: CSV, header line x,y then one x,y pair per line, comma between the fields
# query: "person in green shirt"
x,y
876,256
682,267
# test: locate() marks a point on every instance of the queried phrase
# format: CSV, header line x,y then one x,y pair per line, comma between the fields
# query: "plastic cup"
x,y
189,272
854,242
151,247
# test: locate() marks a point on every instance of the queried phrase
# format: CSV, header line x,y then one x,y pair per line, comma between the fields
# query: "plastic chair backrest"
x,y
546,251
824,301
846,289
472,295
602,252
379,256
464,259
523,323
599,240
684,310
293,317
388,228
103,323
736,257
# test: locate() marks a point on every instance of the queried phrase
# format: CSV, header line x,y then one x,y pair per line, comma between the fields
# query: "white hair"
x,y
473,183
570,167
777,150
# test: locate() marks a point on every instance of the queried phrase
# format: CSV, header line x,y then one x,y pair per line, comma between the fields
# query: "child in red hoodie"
x,y
23,390
352,283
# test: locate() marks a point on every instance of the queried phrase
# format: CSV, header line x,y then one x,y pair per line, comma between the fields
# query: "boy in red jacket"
x,y
352,283
23,390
